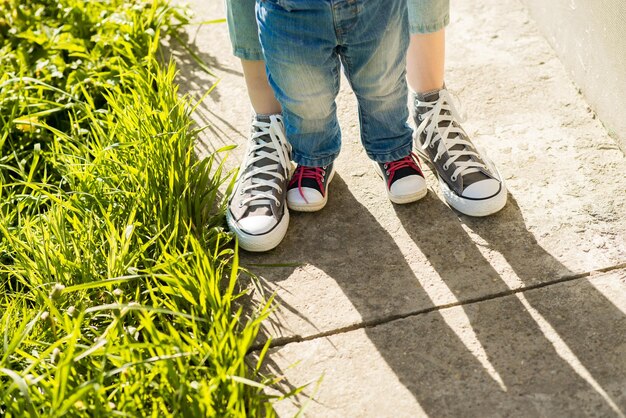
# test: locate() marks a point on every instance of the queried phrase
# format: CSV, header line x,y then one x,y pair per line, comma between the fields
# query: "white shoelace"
x,y
446,139
269,136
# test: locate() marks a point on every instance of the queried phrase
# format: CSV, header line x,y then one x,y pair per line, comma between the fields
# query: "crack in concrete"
x,y
283,341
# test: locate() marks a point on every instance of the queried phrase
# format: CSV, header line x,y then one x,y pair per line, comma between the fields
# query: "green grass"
x,y
119,286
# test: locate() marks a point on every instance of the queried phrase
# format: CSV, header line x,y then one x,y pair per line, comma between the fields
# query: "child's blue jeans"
x,y
305,43
304,53
425,16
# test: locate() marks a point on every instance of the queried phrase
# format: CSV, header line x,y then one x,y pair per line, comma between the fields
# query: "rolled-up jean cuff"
x,y
430,27
394,155
313,162
243,30
428,16
248,54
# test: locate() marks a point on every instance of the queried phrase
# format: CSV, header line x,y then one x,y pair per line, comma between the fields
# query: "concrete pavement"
x,y
416,310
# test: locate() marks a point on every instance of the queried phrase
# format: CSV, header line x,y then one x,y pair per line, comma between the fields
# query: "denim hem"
x,y
313,162
394,155
248,54
431,27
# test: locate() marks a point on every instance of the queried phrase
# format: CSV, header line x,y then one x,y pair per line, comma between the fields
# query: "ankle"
x,y
263,117
425,93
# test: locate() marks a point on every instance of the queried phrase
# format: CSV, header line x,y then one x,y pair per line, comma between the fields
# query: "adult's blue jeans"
x,y
305,43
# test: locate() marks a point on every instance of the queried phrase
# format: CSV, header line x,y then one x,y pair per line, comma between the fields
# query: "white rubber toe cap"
x,y
255,225
259,233
483,189
407,189
311,197
408,186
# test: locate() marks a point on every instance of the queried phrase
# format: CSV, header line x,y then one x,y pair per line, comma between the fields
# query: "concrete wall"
x,y
590,38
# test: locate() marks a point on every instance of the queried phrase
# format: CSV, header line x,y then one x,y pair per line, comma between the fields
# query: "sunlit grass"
x,y
118,283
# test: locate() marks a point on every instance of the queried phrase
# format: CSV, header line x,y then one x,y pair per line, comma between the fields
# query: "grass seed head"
x,y
56,291
55,355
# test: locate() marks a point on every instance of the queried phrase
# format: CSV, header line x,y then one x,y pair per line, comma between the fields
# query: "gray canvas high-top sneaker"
x,y
469,181
257,212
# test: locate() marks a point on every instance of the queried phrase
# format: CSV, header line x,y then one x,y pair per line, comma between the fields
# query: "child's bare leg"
x,y
261,94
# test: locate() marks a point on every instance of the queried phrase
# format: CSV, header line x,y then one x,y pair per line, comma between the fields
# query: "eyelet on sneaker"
x,y
387,172
446,166
240,204
385,167
453,178
277,204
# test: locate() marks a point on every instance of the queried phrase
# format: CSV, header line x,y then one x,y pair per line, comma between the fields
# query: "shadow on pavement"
x,y
480,358
539,353
190,60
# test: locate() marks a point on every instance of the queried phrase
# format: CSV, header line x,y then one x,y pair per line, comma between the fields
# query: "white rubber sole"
x,y
312,207
404,199
469,207
401,200
259,243
475,208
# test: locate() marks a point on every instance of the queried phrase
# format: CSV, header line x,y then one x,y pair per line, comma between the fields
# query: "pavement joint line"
x,y
283,341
